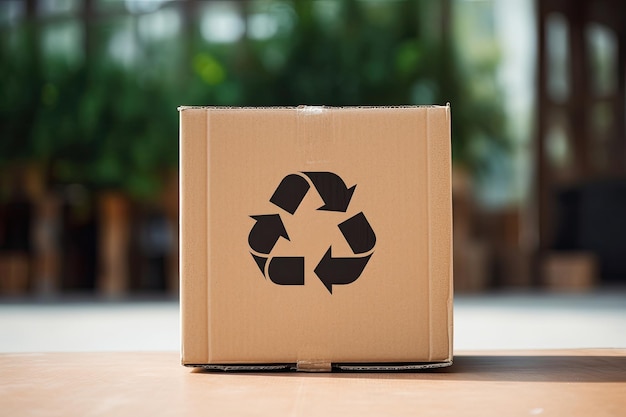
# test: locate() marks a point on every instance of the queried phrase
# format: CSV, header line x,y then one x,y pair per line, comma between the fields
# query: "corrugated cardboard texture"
x,y
400,307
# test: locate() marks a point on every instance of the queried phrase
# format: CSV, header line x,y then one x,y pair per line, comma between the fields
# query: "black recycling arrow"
x,y
358,233
260,262
285,270
339,271
289,270
332,189
266,232
290,193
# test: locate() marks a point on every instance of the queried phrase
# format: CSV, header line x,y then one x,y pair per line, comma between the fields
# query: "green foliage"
x,y
96,124
107,124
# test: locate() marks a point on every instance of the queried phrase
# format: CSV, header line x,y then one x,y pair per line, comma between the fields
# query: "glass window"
x,y
57,7
121,40
222,22
110,5
62,41
557,57
557,142
160,25
11,11
602,46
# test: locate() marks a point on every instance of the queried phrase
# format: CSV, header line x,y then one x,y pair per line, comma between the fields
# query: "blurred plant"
x,y
94,124
109,125
362,53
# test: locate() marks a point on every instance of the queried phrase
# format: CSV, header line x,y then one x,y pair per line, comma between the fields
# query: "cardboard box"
x,y
316,237
570,271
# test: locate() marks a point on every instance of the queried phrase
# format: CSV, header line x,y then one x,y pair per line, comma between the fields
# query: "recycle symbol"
x,y
289,270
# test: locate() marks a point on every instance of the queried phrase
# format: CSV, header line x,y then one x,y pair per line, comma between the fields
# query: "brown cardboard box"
x,y
316,236
570,271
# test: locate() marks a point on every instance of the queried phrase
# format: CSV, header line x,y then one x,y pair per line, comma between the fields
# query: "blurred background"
x,y
89,145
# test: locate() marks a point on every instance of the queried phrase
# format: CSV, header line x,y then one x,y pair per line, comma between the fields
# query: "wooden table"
x,y
509,383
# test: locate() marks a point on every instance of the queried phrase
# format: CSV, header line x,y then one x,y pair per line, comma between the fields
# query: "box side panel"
x,y
440,232
398,310
193,235
383,316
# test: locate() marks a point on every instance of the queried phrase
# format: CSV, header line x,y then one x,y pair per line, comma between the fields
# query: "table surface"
x,y
589,382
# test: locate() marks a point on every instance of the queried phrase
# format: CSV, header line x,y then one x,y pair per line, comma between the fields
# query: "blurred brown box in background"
x,y
570,271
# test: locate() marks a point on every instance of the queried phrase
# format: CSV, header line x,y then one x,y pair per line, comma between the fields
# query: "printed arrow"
x,y
260,262
284,270
290,193
266,232
332,189
339,271
358,233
